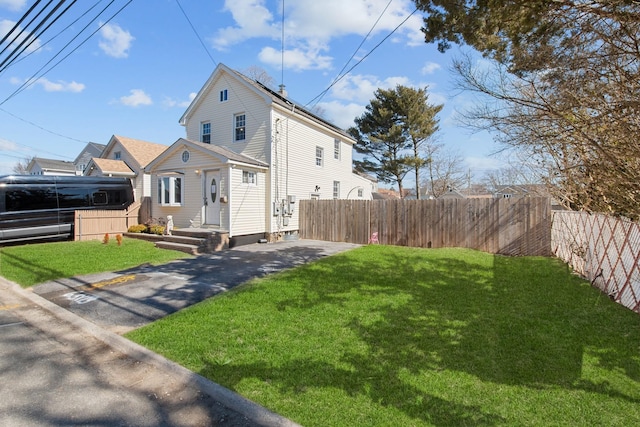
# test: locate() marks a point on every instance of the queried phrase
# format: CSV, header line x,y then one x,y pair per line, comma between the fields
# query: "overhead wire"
x,y
363,58
70,25
375,24
17,24
29,82
35,37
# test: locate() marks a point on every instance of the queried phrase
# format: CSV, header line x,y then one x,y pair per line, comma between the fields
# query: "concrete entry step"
x,y
204,240
182,247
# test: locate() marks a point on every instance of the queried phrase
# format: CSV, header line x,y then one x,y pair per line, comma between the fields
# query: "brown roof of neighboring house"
x,y
142,151
115,167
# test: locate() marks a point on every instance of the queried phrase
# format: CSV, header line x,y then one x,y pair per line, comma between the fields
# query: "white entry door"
x,y
212,197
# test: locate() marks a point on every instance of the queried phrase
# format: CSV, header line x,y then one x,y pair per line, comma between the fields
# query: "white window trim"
x,y
248,182
336,189
172,196
337,149
202,134
319,158
236,127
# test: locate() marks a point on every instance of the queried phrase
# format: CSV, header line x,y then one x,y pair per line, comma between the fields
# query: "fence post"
x,y
80,227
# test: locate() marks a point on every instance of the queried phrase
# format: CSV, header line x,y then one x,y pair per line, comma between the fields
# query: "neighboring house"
x,y
127,157
90,151
525,190
250,155
451,194
41,166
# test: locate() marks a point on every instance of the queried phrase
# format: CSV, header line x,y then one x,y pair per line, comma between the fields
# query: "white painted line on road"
x,y
11,324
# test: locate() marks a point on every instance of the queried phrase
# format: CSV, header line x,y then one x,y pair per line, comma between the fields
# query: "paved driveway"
x,y
128,299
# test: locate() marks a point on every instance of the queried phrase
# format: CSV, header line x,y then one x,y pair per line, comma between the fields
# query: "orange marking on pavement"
x,y
10,306
114,281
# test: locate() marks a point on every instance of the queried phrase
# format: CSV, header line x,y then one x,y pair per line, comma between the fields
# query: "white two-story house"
x,y
250,155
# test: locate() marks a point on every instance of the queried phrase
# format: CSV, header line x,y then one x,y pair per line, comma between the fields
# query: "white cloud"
x,y
115,42
136,99
361,88
60,86
341,115
253,19
311,25
13,5
6,145
430,68
6,26
170,102
295,59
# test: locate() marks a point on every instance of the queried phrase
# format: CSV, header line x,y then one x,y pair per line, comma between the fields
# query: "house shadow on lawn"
x,y
513,321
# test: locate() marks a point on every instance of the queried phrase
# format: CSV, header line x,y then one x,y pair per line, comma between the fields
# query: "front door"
x,y
212,197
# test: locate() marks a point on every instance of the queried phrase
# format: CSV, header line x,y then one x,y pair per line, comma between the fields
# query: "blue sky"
x,y
137,74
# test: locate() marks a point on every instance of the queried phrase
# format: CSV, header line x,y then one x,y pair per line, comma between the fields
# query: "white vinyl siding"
x,y
192,209
303,176
248,204
242,100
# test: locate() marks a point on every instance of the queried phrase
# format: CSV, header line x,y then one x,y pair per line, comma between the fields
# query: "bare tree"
x,y
565,92
22,167
443,170
260,75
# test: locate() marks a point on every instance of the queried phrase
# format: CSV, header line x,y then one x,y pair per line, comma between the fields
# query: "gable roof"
x,y
52,164
227,156
141,151
266,93
110,167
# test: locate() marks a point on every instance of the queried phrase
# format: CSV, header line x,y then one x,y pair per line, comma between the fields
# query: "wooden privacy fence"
x,y
502,226
603,249
94,224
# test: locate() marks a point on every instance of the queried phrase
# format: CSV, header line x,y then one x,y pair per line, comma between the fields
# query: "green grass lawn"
x,y
394,336
28,265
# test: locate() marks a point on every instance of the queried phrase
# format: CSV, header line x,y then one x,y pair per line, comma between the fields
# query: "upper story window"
x,y
336,149
249,177
360,192
170,190
336,189
224,95
117,155
206,133
319,156
240,127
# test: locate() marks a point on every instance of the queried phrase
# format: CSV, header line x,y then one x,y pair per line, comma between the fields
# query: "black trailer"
x,y
42,206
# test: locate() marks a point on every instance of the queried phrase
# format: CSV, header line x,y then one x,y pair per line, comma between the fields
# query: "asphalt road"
x,y
53,373
125,300
62,364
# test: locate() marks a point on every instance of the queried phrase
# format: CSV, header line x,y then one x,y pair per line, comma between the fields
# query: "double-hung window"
x,y
336,149
224,95
206,133
249,178
240,122
170,190
336,189
319,156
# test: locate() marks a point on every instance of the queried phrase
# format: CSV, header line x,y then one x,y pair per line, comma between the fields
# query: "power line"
x,y
33,78
196,33
363,58
41,128
324,92
34,38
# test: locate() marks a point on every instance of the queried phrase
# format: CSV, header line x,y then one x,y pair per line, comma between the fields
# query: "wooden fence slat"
x,y
505,226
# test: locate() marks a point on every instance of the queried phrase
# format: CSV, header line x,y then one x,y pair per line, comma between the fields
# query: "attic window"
x,y
224,95
185,156
117,155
